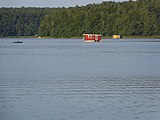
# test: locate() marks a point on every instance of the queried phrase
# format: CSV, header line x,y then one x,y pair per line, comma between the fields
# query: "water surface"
x,y
67,79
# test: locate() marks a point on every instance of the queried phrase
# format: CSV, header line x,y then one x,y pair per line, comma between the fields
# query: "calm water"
x,y
66,79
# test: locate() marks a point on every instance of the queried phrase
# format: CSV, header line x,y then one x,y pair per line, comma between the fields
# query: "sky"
x,y
49,3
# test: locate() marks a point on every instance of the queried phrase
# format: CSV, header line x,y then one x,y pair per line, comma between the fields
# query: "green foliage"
x,y
20,21
140,18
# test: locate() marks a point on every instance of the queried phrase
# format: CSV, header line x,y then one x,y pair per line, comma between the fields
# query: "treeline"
x,y
140,18
20,21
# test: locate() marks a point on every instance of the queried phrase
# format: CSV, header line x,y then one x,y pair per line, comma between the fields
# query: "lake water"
x,y
67,79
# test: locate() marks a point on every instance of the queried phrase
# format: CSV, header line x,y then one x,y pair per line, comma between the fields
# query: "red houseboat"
x,y
92,37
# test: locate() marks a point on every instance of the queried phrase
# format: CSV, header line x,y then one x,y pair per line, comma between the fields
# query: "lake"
x,y
67,79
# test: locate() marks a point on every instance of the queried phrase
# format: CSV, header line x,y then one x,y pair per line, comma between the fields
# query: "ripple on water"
x,y
131,98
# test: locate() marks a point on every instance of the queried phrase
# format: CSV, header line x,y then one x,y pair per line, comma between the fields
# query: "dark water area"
x,y
67,79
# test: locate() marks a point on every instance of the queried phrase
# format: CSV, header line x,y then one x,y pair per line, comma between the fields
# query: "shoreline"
x,y
103,37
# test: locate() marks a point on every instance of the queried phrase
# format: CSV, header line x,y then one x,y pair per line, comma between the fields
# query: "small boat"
x,y
39,37
117,36
17,42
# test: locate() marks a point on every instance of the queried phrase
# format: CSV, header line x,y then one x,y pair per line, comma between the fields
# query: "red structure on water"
x,y
92,37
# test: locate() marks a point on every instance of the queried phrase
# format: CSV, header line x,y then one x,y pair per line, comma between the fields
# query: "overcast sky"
x,y
48,3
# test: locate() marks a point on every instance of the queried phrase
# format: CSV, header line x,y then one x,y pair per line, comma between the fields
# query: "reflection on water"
x,y
60,80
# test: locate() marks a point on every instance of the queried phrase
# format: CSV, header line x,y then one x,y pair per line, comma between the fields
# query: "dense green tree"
x,y
140,18
20,21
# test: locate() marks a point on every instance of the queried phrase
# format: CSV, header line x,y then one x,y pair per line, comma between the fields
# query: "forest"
x,y
128,18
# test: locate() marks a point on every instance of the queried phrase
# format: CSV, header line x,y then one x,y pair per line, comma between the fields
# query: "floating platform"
x,y
92,37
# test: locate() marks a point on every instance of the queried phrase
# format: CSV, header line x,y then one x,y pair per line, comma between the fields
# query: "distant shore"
x,y
134,37
103,37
